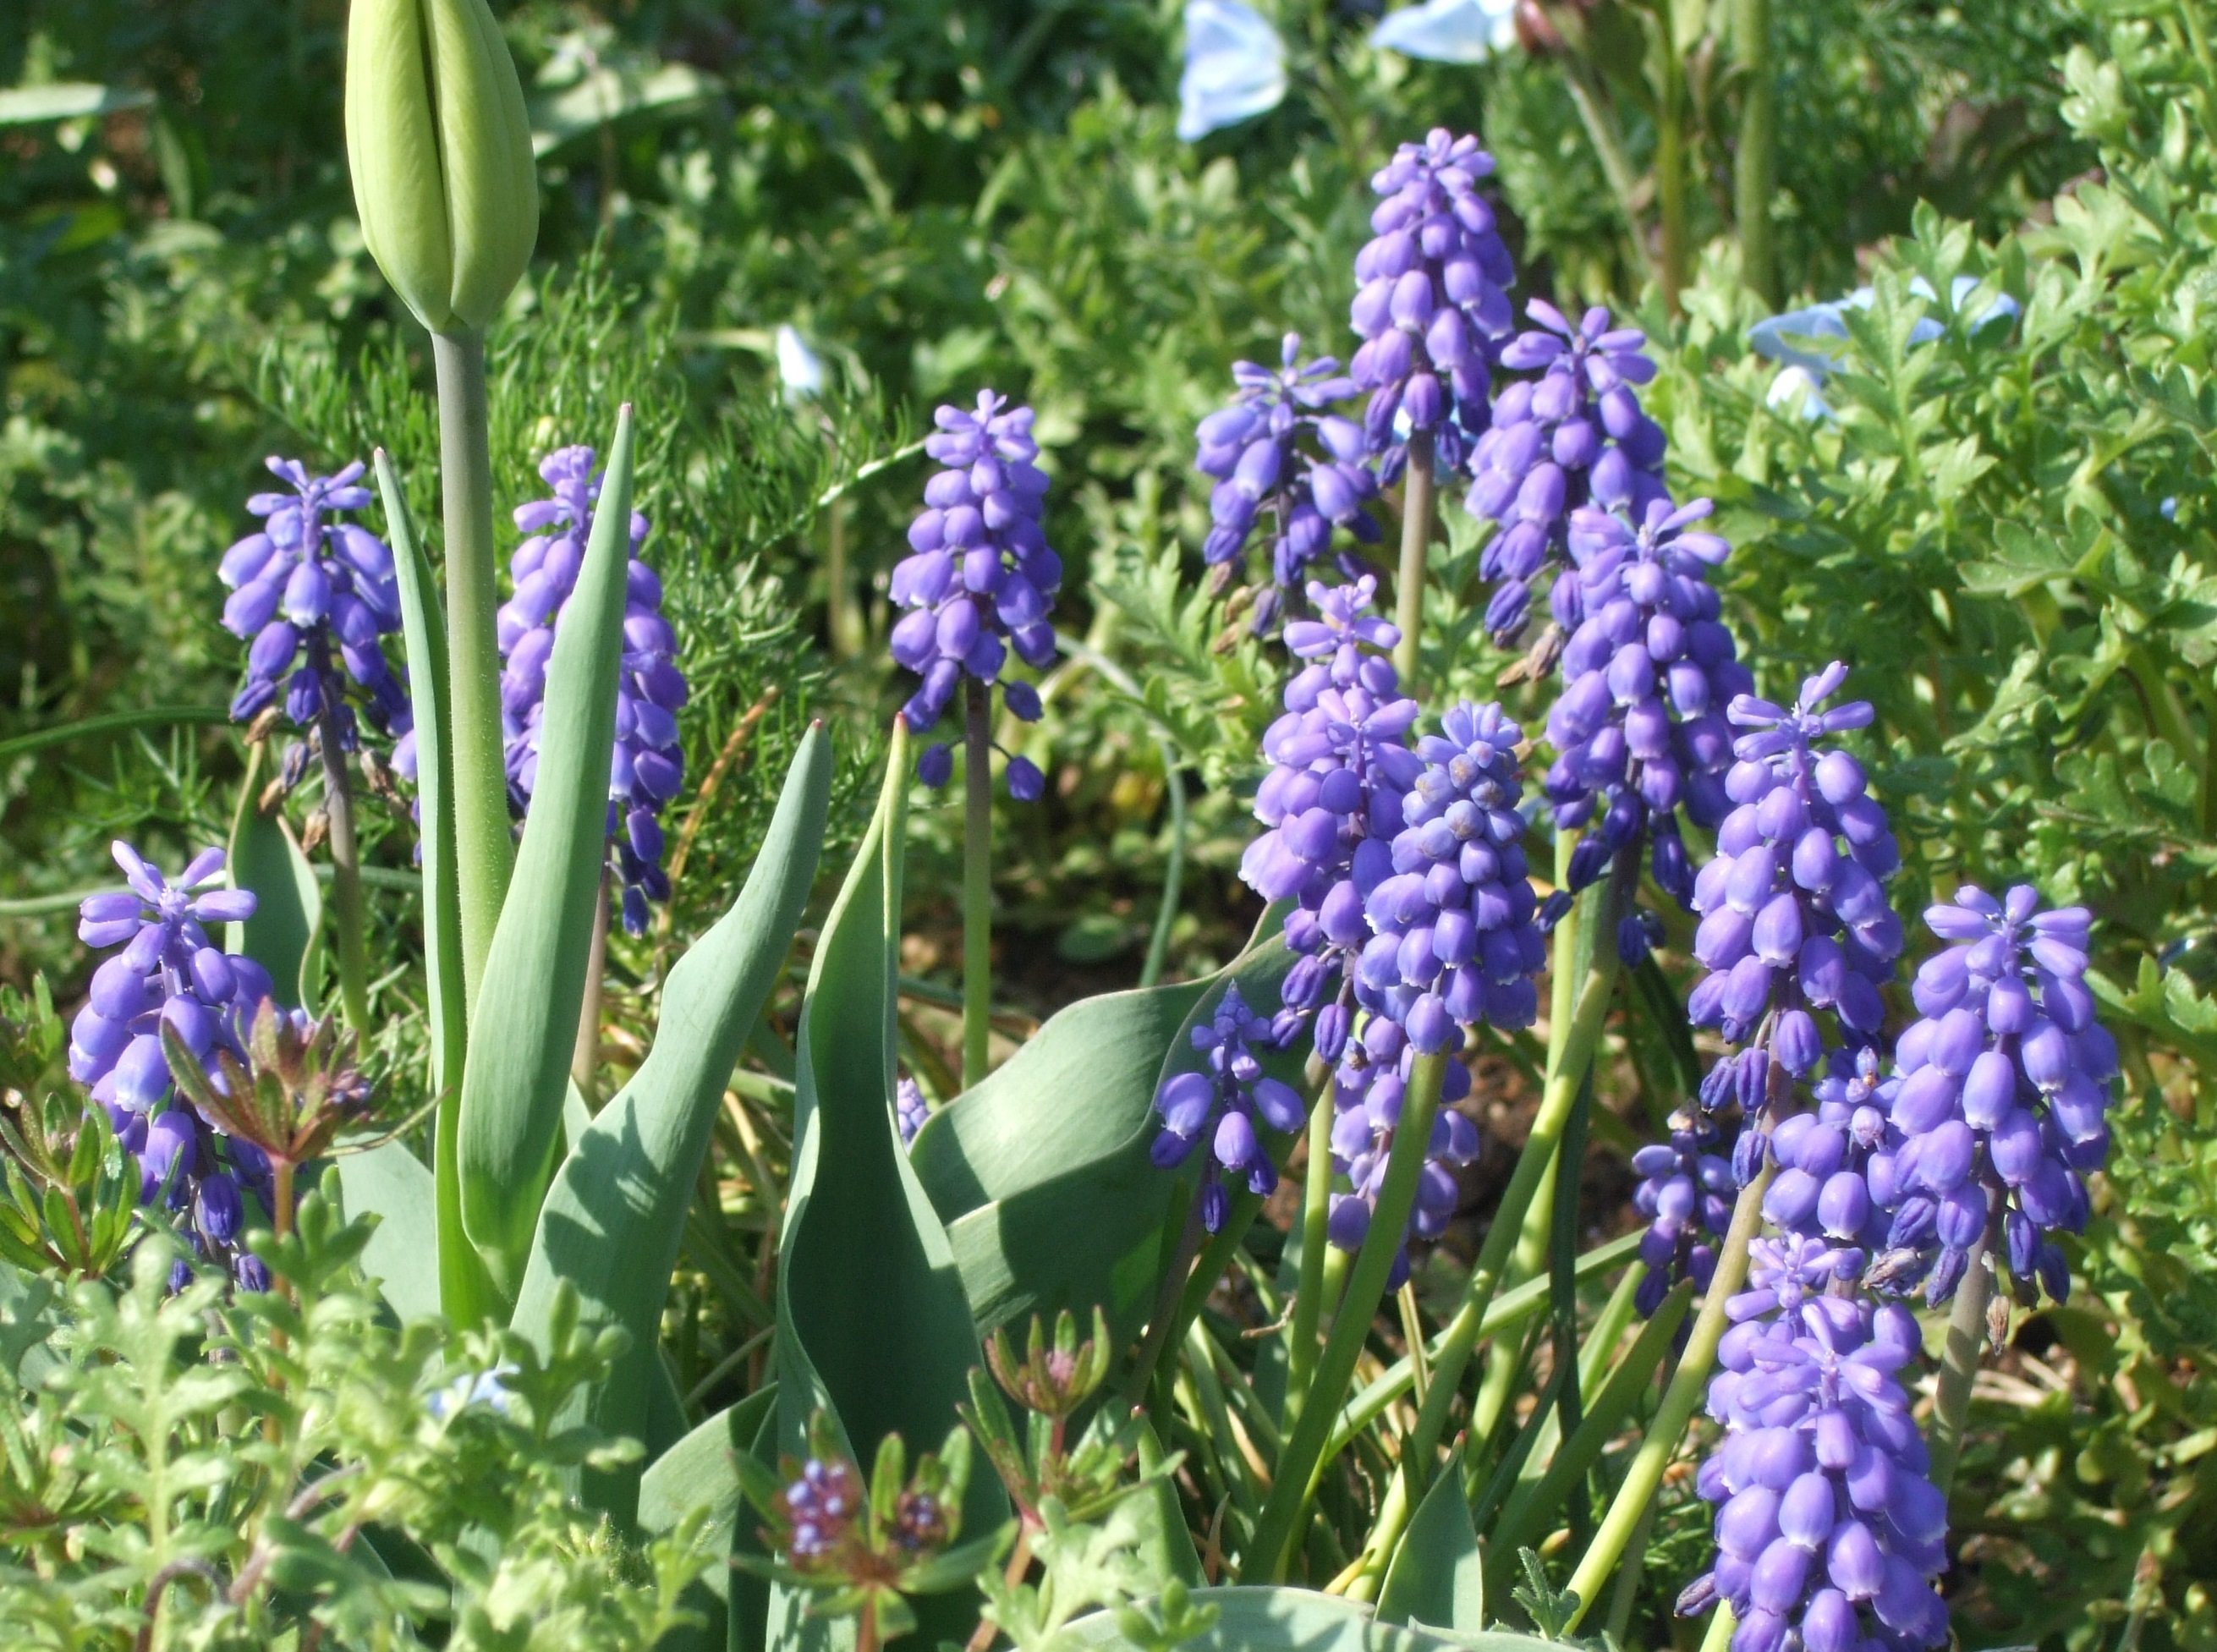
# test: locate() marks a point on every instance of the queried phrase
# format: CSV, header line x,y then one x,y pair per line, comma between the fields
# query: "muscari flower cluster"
x,y
1829,1530
1639,728
314,595
1431,302
1220,1104
648,763
1572,436
1999,1094
168,971
1280,461
909,1109
981,579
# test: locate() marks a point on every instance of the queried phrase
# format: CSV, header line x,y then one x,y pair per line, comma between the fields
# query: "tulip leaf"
x,y
1283,1619
698,1473
524,1024
266,858
403,1252
872,1321
613,1220
1438,1573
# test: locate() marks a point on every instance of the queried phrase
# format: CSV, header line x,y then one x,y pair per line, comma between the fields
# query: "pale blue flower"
x,y
1449,31
800,368
1235,67
1810,343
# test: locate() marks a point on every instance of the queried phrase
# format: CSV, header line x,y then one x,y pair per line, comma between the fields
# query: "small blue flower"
x,y
1809,343
799,370
1449,31
1235,67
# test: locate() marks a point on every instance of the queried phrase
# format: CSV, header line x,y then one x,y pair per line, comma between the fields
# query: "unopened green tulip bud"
x,y
440,153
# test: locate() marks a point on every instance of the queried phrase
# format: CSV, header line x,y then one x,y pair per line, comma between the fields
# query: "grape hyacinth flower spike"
x,y
1279,460
1370,1087
1999,1092
911,1109
1572,436
169,972
1218,1106
647,764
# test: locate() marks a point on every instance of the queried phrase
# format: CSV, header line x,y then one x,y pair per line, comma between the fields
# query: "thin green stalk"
x,y
1959,1365
585,1055
485,850
111,722
1628,1580
1600,122
1168,1300
1570,1404
1365,1287
1755,167
1158,944
1645,1475
347,916
1308,1295
977,883
1722,1624
1419,508
1670,165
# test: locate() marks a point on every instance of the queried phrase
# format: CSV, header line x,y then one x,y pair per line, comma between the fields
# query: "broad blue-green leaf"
x,y
613,1219
1260,1619
872,1321
403,1253
1438,1573
696,1473
525,1021
465,1293
265,856
1042,1172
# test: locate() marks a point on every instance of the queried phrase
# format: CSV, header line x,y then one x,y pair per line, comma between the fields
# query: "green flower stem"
x,y
1599,120
1158,942
1168,1300
1755,167
1636,1492
1302,1459
1670,163
1308,1295
1627,1590
977,882
1722,1624
484,850
1959,1363
585,1055
347,916
112,722
1419,506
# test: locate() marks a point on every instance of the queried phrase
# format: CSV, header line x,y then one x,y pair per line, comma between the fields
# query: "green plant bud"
x,y
441,153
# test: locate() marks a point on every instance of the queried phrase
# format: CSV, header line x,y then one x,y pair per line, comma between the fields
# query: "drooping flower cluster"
x,y
648,763
1370,1085
1829,1530
1685,1191
1794,918
1220,1104
1431,303
1639,728
171,972
314,595
2000,1092
981,579
1280,461
1574,435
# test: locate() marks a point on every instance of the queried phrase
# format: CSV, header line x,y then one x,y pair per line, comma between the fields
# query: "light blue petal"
x,y
799,370
1797,338
1797,385
1449,31
1235,67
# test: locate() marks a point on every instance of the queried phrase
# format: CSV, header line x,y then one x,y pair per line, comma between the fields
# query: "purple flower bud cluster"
x,y
168,971
1836,1166
1572,436
821,1505
909,1109
981,579
1369,1086
1794,919
1999,1093
1829,1530
647,764
1277,459
1685,1191
1639,728
1219,1105
1430,302
314,596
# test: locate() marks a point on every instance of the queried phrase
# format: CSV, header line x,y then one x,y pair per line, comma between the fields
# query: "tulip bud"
x,y
441,153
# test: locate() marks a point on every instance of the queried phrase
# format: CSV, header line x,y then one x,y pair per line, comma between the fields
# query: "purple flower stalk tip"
x,y
1370,1086
1279,460
1572,436
909,1109
1431,302
647,764
169,972
1217,1108
981,579
314,595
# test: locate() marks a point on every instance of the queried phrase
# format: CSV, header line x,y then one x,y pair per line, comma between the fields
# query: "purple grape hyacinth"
x,y
1685,1192
314,596
648,763
170,971
1369,1086
981,579
909,1109
1639,728
1220,1105
1279,460
1431,302
1836,1166
1575,436
2000,1092
1829,1530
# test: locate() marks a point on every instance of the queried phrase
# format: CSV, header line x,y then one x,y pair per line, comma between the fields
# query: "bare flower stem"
x,y
585,1055
349,918
977,883
1419,508
1959,1363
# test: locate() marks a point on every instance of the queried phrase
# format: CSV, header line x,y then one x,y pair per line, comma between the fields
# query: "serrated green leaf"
x,y
613,1220
516,1072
